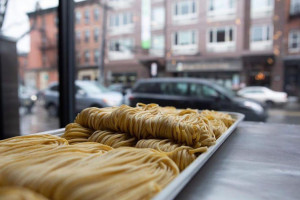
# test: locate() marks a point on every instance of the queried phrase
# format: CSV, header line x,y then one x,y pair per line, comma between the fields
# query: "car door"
x,y
203,96
175,94
148,92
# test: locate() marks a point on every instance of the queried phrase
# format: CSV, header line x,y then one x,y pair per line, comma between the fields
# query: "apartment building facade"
x,y
42,60
234,42
291,48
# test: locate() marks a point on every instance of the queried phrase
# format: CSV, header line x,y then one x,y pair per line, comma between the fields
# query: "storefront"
x,y
226,72
257,70
292,75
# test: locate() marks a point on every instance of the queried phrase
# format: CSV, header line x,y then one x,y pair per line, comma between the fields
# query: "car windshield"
x,y
92,87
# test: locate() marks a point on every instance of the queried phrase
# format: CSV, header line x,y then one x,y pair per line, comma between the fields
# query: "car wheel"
x,y
52,110
269,103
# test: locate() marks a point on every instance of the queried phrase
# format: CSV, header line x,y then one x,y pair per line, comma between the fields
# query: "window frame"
x,y
263,44
227,45
223,14
185,18
290,41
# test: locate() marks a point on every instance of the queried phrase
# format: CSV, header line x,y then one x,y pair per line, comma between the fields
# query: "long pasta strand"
x,y
112,139
181,155
85,170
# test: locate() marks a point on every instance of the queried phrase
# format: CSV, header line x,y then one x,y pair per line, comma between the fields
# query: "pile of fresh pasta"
x,y
109,153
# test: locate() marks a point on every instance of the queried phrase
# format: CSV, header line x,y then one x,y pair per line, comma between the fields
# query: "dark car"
x,y
194,93
27,97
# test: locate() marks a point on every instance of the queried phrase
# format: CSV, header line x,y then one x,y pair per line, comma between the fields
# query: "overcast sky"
x,y
16,21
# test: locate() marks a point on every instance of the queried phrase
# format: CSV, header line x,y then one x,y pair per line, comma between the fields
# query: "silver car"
x,y
88,94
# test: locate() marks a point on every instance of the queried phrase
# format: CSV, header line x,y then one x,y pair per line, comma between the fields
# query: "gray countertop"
x,y
257,161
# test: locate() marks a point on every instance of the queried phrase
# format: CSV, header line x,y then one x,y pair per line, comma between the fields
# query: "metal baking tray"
x,y
173,188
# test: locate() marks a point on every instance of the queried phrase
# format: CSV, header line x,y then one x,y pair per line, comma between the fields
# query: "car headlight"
x,y
33,97
254,106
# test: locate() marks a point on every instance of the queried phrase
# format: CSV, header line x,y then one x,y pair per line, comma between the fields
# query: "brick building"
x,y
291,48
42,59
232,41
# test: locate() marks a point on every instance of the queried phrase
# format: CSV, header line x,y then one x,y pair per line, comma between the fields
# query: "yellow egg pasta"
x,y
75,133
180,154
112,139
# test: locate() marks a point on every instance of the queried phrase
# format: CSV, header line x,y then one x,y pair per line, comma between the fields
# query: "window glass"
x,y
158,42
294,7
78,36
158,16
86,16
96,56
221,7
184,38
86,36
124,45
152,88
203,91
54,88
220,35
96,14
87,56
121,19
294,40
78,17
261,33
184,7
96,34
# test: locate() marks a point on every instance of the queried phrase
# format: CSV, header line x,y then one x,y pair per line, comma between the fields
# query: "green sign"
x,y
146,24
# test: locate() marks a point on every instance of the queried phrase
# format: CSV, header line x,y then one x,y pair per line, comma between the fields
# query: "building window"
x,y
96,56
260,33
86,56
261,37
184,8
78,17
77,57
221,39
221,35
183,38
96,34
96,14
86,16
157,45
121,49
122,45
294,41
295,7
261,8
86,36
78,36
158,17
221,10
184,42
121,19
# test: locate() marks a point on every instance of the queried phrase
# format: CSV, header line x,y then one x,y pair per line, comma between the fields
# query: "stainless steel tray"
x,y
171,191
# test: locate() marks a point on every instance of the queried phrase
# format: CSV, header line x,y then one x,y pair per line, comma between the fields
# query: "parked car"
x,y
194,93
88,94
119,87
264,95
27,97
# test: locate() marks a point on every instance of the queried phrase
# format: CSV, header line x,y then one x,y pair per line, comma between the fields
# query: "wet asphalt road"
x,y
39,121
